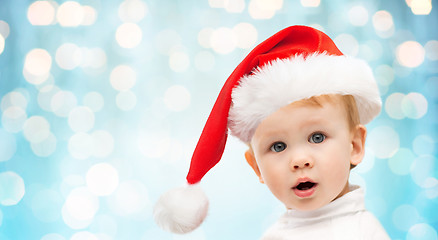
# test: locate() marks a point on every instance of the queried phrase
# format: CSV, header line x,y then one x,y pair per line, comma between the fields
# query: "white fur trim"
x,y
284,81
181,210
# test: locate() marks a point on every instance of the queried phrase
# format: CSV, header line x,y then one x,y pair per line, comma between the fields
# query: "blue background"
x,y
128,107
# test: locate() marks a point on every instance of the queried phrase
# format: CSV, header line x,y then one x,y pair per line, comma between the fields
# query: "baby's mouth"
x,y
305,186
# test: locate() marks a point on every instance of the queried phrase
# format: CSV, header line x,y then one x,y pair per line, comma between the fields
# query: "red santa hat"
x,y
296,63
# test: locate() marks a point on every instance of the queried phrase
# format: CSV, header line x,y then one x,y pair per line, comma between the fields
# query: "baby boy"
x,y
301,106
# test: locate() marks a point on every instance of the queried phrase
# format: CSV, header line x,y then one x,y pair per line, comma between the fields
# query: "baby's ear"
x,y
250,159
358,144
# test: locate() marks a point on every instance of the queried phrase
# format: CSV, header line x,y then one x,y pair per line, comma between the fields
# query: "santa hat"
x,y
296,63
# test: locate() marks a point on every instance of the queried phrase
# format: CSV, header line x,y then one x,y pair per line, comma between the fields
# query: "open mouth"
x,y
305,186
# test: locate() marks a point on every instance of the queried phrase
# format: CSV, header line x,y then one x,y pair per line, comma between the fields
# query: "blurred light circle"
x,y
166,39
432,191
69,180
41,13
223,40
103,143
177,98
204,61
431,49
94,101
9,145
81,119
62,103
404,216
414,105
384,75
153,145
422,170
393,105
11,188
84,235
46,205
53,236
80,146
123,78
13,119
68,56
347,44
45,96
104,223
246,35
93,58
129,35
216,3
132,10
35,79
38,62
70,14
421,7
2,44
401,162
422,231
423,144
256,10
382,21
410,54
179,61
102,179
13,99
90,16
73,222
384,141
130,197
310,3
367,163
81,204
4,29
358,15
36,129
236,6
204,37
46,147
126,101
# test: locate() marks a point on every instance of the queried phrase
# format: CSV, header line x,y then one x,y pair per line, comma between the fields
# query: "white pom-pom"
x,y
181,210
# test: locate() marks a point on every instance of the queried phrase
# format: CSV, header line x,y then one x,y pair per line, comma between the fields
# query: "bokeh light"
x,y
12,188
130,198
102,179
177,98
102,104
41,13
383,141
129,35
9,145
410,54
132,10
358,15
70,14
123,78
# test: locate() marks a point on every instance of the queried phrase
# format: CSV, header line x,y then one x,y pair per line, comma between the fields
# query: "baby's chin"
x,y
307,205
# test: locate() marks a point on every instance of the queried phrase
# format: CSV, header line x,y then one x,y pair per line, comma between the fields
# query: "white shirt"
x,y
343,219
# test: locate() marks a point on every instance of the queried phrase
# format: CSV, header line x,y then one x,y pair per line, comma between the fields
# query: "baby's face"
x,y
303,154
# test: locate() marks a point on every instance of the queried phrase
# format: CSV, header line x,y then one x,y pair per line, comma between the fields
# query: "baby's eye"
x,y
278,147
317,138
